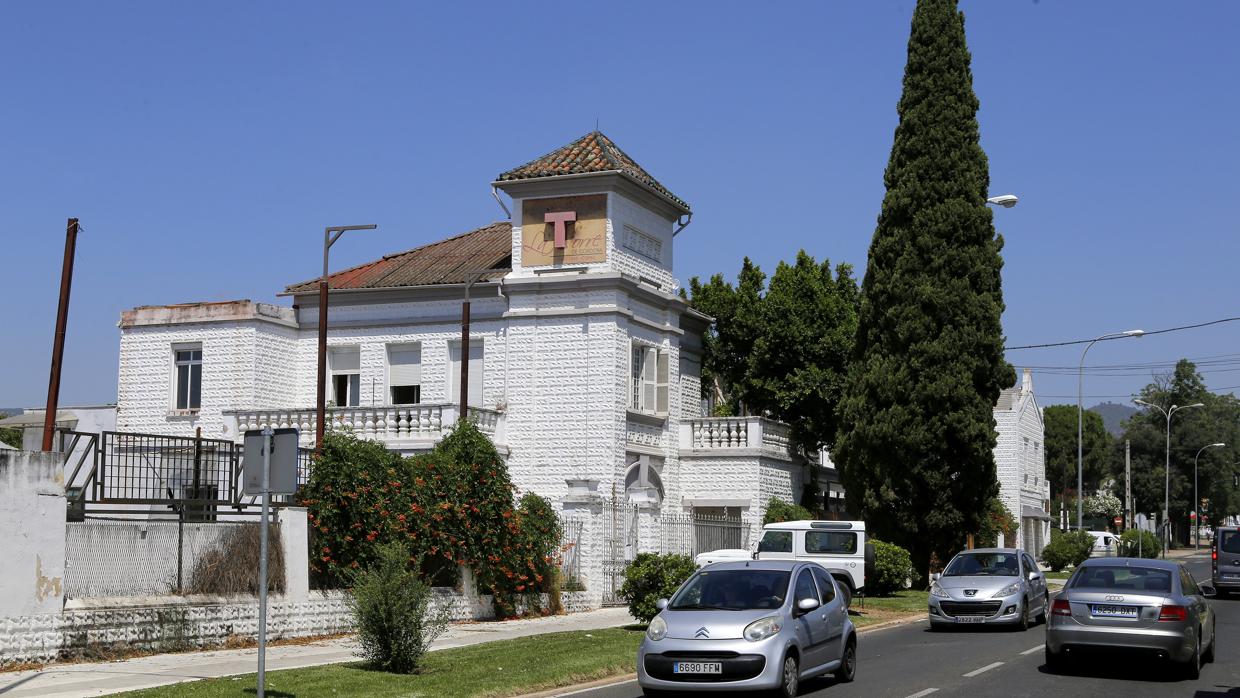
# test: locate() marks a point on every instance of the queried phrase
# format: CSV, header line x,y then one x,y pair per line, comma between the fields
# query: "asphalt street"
x,y
909,661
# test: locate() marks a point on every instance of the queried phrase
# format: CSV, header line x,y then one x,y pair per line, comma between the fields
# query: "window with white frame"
x,y
345,365
649,380
187,377
476,369
405,374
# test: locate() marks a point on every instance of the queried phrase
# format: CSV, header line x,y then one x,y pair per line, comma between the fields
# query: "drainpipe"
x,y
684,223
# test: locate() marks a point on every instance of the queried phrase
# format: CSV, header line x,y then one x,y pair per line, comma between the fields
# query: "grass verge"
x,y
880,609
503,668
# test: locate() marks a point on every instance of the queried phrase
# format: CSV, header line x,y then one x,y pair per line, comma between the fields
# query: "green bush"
x,y
893,568
778,510
651,577
394,611
1068,549
1135,543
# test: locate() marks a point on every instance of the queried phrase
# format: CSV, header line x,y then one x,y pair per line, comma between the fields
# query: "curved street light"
x,y
1080,422
1004,200
1196,499
1167,467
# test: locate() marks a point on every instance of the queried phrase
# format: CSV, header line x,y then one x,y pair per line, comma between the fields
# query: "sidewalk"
x,y
73,680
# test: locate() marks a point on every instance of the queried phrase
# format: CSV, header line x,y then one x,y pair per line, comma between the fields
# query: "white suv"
x,y
839,546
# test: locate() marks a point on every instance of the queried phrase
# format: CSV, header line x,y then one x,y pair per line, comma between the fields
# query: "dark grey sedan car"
x,y
1150,607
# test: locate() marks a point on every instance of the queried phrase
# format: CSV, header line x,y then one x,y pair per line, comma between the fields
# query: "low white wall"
x,y
178,623
32,522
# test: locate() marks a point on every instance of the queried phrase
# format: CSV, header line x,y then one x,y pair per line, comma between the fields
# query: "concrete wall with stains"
x,y
32,517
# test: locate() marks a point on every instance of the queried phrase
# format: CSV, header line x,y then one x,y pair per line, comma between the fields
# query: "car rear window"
x,y
1122,578
832,542
733,590
1229,542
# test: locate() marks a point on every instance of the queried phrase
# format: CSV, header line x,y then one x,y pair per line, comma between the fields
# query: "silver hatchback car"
x,y
1151,607
749,626
989,586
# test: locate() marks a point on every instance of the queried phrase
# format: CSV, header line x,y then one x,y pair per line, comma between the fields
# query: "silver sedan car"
x,y
749,626
1151,607
989,586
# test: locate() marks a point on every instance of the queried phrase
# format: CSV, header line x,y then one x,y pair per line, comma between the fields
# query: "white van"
x,y
1106,544
839,546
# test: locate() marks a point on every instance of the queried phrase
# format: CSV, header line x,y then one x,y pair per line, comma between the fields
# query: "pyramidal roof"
x,y
593,152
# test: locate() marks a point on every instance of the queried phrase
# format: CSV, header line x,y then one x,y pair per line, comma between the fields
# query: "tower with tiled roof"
x,y
588,206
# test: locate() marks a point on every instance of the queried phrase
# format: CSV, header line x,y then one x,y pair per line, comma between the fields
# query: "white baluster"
x,y
368,423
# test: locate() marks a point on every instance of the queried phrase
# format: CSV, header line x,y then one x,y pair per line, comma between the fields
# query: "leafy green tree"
x,y
730,342
799,362
916,444
9,435
1059,424
778,510
1217,421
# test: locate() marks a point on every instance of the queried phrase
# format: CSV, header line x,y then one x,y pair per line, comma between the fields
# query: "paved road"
x,y
908,661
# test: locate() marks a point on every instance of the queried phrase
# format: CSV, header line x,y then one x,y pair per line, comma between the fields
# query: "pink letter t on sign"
x,y
559,218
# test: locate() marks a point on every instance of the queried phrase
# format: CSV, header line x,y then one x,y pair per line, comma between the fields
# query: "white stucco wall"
x,y
32,516
1020,460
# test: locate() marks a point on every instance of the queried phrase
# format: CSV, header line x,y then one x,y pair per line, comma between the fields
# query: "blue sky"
x,y
204,147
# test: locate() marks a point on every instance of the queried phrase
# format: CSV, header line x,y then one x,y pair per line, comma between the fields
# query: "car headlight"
x,y
762,628
937,590
1007,590
657,630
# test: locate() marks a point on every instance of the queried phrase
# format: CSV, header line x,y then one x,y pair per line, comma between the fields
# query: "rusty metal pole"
x,y
320,404
330,235
58,343
464,357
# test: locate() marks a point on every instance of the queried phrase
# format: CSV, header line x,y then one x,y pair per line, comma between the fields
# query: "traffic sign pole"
x,y
262,564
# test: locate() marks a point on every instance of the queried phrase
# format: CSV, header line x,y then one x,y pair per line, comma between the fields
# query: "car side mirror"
x,y
807,605
1034,576
935,576
1207,591
660,604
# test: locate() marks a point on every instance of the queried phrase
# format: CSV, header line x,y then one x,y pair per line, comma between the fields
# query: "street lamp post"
x,y
330,235
1080,422
1196,499
1167,468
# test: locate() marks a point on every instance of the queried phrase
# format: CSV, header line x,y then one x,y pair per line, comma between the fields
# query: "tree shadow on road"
x,y
1224,692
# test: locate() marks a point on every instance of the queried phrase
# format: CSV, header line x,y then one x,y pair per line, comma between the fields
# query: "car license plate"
x,y
1231,575
970,619
698,668
1113,611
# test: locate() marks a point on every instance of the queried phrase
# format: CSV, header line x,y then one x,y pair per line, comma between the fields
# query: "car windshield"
x,y
733,590
1122,578
983,565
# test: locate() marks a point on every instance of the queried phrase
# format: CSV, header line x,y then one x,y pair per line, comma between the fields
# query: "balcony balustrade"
x,y
398,426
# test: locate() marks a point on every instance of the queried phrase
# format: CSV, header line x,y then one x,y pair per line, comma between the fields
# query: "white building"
x,y
1020,457
584,364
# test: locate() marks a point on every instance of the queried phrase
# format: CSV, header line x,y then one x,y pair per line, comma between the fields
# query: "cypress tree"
x,y
917,435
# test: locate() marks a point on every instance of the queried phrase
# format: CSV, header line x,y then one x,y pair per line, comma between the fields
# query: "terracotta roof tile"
x,y
593,152
445,262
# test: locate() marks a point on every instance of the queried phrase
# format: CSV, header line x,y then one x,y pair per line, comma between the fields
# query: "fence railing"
x,y
768,435
395,424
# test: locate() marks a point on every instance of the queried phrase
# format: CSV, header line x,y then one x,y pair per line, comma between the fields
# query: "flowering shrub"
x,y
452,507
1103,504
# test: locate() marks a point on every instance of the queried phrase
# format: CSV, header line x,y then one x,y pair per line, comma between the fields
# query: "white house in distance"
x,y
584,364
1020,458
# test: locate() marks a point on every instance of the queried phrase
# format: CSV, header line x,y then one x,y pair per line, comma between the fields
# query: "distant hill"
x,y
1113,415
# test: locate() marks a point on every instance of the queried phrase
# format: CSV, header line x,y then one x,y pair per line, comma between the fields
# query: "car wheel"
x,y
1024,615
789,678
1046,604
1208,655
848,663
1192,670
1054,661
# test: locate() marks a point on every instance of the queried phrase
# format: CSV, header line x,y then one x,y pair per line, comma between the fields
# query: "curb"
x,y
625,678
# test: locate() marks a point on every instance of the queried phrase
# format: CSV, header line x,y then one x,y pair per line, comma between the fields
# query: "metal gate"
x,y
619,545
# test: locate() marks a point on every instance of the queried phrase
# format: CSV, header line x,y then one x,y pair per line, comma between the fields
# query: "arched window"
x,y
642,482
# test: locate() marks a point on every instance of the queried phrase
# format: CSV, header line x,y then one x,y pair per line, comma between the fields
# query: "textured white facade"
x,y
558,371
1020,459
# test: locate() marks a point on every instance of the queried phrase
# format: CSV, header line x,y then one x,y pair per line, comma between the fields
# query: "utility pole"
x,y
471,278
58,342
1127,484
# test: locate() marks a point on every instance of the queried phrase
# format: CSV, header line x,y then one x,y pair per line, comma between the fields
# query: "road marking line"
x,y
594,688
1031,650
926,692
988,667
